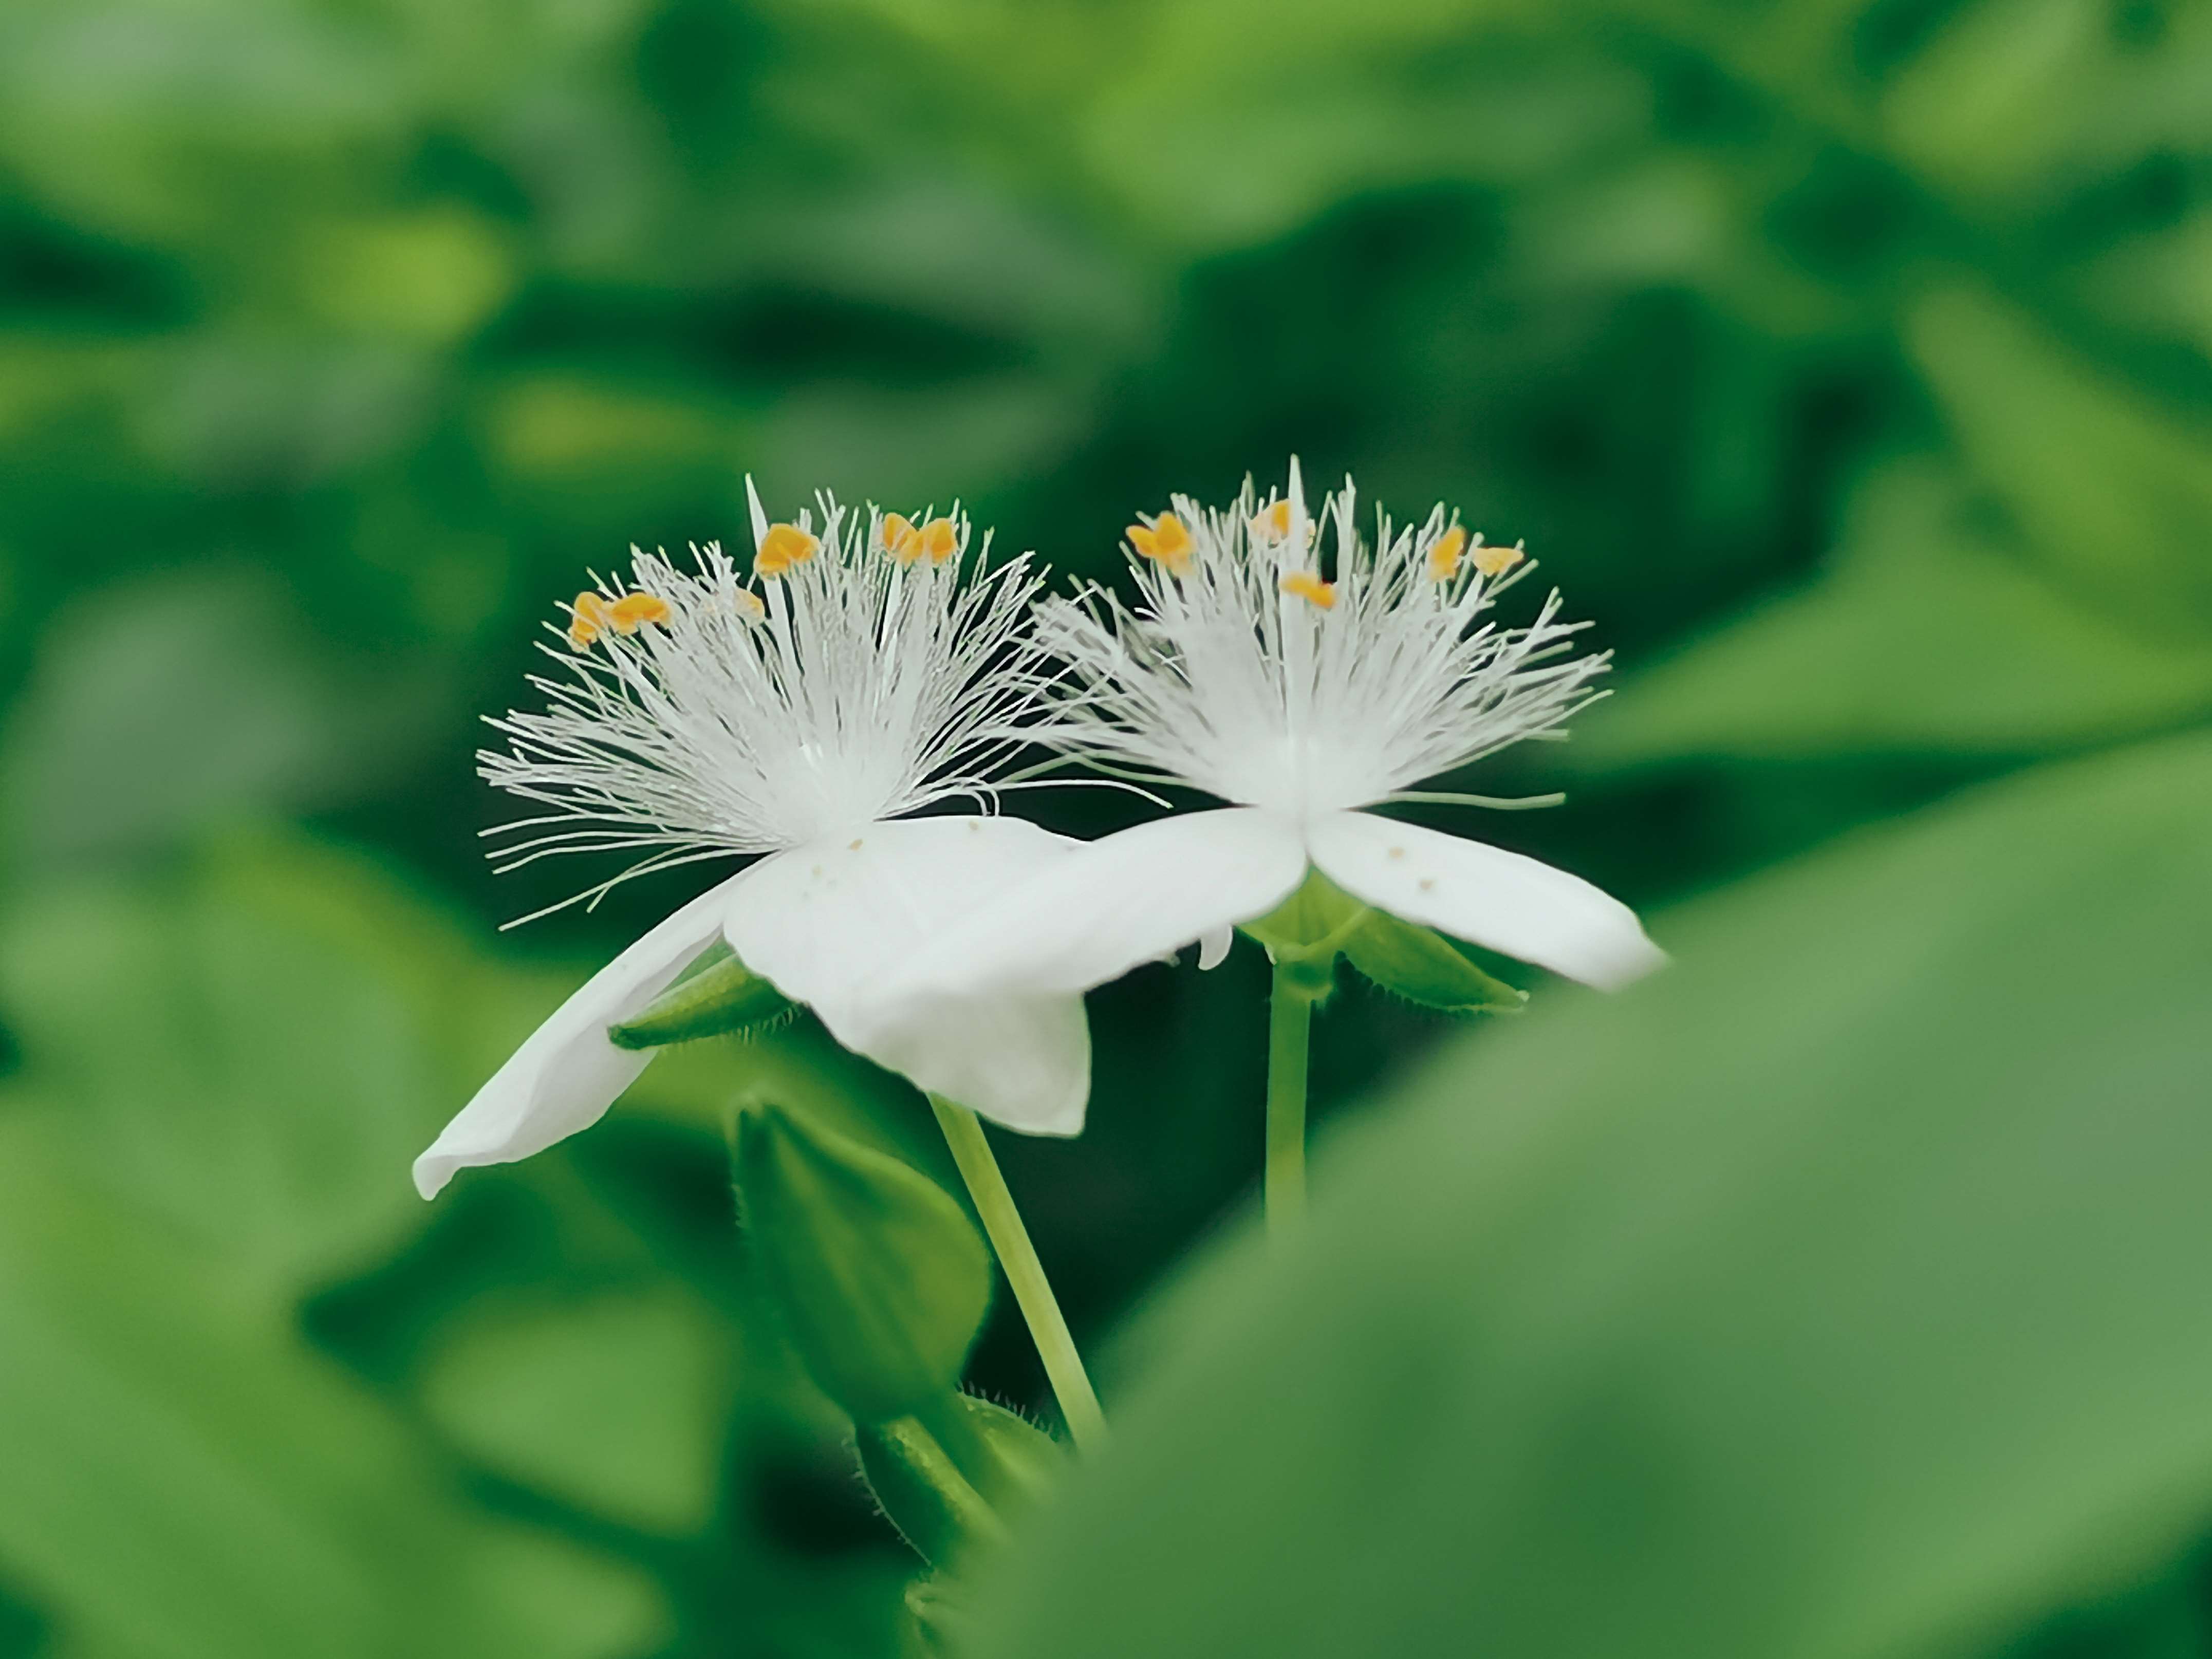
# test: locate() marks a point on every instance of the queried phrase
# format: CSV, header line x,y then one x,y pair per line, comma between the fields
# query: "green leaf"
x,y
1835,1293
880,1276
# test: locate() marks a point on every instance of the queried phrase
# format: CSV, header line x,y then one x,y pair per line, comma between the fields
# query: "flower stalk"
x,y
1002,1223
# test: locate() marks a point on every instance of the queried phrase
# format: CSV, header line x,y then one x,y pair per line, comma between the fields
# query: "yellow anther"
x,y
629,612
1445,556
748,604
900,538
1166,541
588,618
784,546
1497,560
1273,524
1311,588
940,540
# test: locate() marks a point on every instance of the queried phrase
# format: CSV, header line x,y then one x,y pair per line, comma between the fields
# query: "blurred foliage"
x,y
1842,1301
1850,364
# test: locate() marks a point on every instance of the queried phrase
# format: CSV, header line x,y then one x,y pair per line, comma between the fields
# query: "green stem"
x,y
1063,1365
1290,1018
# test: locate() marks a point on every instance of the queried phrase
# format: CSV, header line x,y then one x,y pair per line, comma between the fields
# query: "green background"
x,y
1844,1291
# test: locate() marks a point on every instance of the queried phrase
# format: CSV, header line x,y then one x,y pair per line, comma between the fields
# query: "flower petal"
x,y
830,924
1483,894
1124,899
566,1074
1213,945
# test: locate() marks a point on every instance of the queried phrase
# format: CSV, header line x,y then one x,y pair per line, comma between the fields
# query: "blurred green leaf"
x,y
254,1052
616,1402
1836,1292
181,1479
2112,490
159,713
1931,633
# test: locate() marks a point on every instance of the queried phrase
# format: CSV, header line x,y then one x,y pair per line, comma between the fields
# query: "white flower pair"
x,y
870,674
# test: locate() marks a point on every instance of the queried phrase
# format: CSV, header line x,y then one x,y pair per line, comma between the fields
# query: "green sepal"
x,y
718,995
881,1278
1421,965
936,1618
1010,1459
1312,924
923,1492
1305,931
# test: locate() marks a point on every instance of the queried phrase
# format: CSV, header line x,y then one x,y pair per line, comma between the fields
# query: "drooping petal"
x,y
1213,947
566,1074
834,922
1120,901
1502,901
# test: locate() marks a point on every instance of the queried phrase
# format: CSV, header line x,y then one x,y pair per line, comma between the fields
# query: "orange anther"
x,y
940,540
1497,560
784,546
900,538
1311,588
1166,541
1273,524
629,612
588,617
1445,556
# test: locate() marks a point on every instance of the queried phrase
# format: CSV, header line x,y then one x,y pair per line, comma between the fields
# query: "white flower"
x,y
1290,667
705,715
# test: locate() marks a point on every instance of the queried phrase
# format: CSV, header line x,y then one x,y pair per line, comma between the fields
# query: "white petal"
x,y
1118,901
1483,894
1213,947
1023,1061
566,1074
832,922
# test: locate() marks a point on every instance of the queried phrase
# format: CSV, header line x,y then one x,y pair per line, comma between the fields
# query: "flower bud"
x,y
1421,965
935,1507
881,1277
724,995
